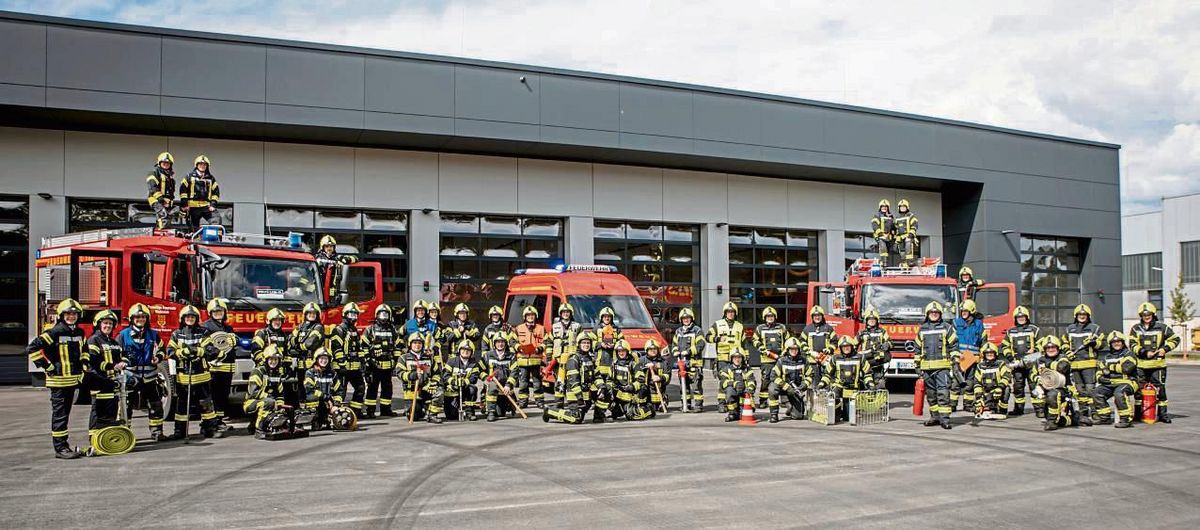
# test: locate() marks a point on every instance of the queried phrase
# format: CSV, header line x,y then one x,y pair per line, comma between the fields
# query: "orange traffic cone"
x,y
747,411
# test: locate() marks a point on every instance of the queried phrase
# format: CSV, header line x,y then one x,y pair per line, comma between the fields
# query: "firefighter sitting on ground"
x,y
1060,412
627,383
991,384
265,390
322,388
737,382
846,373
500,376
461,397
1117,380
421,376
791,379
199,194
160,184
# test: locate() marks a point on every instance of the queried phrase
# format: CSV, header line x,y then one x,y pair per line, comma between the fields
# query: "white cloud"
x,y
1120,71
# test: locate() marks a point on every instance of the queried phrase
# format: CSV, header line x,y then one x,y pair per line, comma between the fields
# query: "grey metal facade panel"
x,y
588,137
726,150
213,109
315,79
580,103
24,60
214,70
793,127
408,123
409,87
22,95
889,138
656,111
662,144
324,117
67,98
500,130
727,119
103,60
496,95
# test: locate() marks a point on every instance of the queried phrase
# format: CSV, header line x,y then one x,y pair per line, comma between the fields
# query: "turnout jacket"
x,y
59,352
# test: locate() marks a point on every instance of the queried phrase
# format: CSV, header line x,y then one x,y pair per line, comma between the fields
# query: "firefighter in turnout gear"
x,y
496,325
1084,340
876,345
563,334
438,344
500,371
971,337
103,363
818,339
936,356
906,242
847,373
58,351
199,194
586,388
160,184
461,327
307,338
264,392
737,381
768,340
348,357
328,260
530,338
192,378
793,376
1059,412
1151,340
322,388
462,377
728,335
967,283
627,383
1117,379
1019,350
221,361
382,341
271,334
141,345
421,374
687,345
657,375
883,229
991,384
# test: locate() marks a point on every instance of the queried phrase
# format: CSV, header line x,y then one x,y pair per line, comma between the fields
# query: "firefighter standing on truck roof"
x,y
191,375
1151,340
103,364
160,184
530,338
792,378
991,384
876,344
199,193
906,242
967,283
971,336
348,355
221,360
688,344
1083,339
563,334
728,335
142,350
818,339
936,355
768,339
58,351
1117,380
328,260
883,229
382,341
272,333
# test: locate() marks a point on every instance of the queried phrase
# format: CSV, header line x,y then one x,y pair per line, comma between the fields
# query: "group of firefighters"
x,y
895,234
197,197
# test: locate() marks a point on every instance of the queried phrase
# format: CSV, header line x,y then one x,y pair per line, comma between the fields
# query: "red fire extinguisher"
x,y
919,398
1149,403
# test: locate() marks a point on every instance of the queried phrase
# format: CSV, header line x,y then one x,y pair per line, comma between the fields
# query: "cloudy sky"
x,y
1118,71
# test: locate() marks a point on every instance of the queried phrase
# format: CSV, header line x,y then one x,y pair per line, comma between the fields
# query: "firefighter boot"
x,y
946,422
774,416
156,434
386,410
67,453
491,415
931,422
1124,423
433,418
1039,411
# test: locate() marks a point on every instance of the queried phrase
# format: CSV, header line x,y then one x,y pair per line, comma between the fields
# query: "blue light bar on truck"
x,y
568,268
212,233
295,240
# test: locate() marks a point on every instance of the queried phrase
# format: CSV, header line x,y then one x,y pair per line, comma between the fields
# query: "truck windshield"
x,y
630,312
258,283
906,303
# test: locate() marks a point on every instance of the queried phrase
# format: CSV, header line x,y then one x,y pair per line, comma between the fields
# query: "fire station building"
x,y
453,173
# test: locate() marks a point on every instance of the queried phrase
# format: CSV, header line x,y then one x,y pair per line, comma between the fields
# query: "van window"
x,y
517,304
555,303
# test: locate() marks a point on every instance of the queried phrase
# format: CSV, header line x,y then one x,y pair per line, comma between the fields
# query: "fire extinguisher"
x,y
919,397
1149,403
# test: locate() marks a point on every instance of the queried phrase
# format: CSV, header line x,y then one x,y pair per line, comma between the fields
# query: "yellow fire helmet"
x,y
462,308
566,307
188,310
1117,335
902,204
217,304
729,306
1083,308
416,337
312,307
933,307
816,310
987,348
967,305
966,271
495,310
846,340
1020,311
792,342
351,308
107,314
652,344
504,337
769,311
1051,340
687,312
466,344
165,157
588,336
139,310
68,306
1147,307
609,312
385,310
622,345
276,314
870,313
885,202
419,304
202,159
530,310
272,351
327,241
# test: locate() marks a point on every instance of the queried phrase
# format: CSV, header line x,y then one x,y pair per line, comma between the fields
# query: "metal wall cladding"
x,y
214,70
103,60
24,61
402,86
314,79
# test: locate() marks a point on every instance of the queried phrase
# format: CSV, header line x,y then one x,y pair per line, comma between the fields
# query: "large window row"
x,y
662,261
771,267
375,235
14,273
1050,280
91,214
1142,271
479,254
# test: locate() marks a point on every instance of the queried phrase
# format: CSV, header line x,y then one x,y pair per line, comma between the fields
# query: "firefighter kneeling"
x,y
792,377
322,390
462,376
848,373
1052,375
627,381
421,375
273,419
737,381
586,389
1118,372
991,384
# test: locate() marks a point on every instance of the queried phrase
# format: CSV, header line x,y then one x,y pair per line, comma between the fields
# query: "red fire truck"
x,y
116,268
900,296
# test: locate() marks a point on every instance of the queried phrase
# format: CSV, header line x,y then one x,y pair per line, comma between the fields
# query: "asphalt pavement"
x,y
676,471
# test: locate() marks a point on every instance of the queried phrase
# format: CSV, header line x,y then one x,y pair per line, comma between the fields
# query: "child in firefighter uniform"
x,y
191,375
936,355
1083,340
265,390
792,378
530,338
461,376
219,351
382,341
142,351
272,333
1019,350
687,348
657,374
322,388
1151,340
199,194
906,242
847,373
819,340
103,364
971,337
421,374
876,345
58,351
348,360
991,384
1117,380
627,381
727,335
883,230
768,340
1059,410
737,381
160,184
561,344
500,376
586,389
